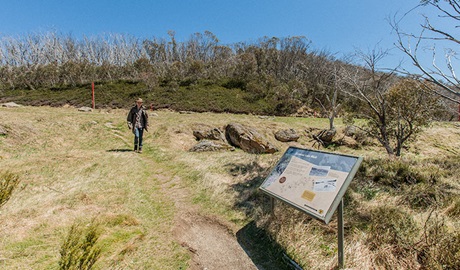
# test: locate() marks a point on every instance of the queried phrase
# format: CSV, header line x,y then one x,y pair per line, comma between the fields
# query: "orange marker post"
x,y
92,87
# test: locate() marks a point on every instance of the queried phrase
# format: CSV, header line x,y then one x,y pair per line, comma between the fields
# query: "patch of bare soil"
x,y
211,243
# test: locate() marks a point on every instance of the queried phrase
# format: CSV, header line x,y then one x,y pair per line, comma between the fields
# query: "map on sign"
x,y
311,181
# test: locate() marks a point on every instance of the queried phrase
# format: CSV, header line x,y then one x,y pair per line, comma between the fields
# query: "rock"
x,y
207,145
203,132
11,105
324,137
3,131
327,135
248,139
266,117
349,142
350,131
85,109
287,135
305,111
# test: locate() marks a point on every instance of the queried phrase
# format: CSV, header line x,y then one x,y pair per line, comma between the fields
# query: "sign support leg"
x,y
340,234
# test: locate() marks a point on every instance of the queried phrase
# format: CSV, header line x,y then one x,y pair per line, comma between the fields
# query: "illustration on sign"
x,y
311,180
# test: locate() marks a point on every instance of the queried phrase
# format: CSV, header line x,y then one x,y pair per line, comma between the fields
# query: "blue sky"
x,y
338,26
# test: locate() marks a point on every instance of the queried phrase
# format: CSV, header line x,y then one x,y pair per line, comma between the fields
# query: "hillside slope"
x,y
168,208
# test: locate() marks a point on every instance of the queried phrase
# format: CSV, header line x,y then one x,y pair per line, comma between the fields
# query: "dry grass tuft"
x,y
8,182
80,249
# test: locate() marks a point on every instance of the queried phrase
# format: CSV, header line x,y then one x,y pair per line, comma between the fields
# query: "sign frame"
x,y
317,178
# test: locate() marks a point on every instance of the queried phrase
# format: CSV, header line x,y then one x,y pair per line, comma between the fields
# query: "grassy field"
x,y
77,169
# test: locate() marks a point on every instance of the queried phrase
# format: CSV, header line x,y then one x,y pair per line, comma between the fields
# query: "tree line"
x,y
284,69
49,59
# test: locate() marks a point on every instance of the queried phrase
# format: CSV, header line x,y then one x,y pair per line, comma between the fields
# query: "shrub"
x,y
8,182
391,237
423,196
391,226
393,173
439,247
79,249
234,83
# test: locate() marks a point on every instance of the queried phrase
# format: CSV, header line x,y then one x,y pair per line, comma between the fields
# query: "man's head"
x,y
139,102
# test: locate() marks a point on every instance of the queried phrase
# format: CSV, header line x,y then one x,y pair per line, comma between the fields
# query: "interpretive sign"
x,y
311,181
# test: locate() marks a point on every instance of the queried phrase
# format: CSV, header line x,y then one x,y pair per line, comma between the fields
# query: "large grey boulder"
x,y
208,145
248,139
287,135
204,132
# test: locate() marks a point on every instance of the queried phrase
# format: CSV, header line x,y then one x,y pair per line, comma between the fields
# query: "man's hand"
x,y
130,125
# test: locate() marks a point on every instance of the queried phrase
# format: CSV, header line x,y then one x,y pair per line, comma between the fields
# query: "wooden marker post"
x,y
93,102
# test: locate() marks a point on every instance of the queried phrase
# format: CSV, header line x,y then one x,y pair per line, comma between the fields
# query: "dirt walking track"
x,y
212,244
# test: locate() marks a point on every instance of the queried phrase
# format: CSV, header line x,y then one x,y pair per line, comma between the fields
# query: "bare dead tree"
x,y
328,84
431,34
396,109
368,85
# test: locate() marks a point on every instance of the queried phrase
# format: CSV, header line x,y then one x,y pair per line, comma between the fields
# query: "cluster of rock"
x,y
210,139
248,139
237,135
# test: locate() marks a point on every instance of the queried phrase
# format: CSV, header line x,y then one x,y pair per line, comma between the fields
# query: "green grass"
x,y
78,166
71,171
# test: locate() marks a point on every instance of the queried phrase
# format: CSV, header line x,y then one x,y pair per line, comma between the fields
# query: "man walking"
x,y
138,122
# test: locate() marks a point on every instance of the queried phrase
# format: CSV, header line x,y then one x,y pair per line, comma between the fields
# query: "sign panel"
x,y
311,181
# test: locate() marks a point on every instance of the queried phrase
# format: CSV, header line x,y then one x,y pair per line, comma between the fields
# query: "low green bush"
x,y
187,95
423,196
393,173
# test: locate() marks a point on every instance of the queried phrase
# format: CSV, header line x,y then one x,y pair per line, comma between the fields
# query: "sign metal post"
x,y
340,234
